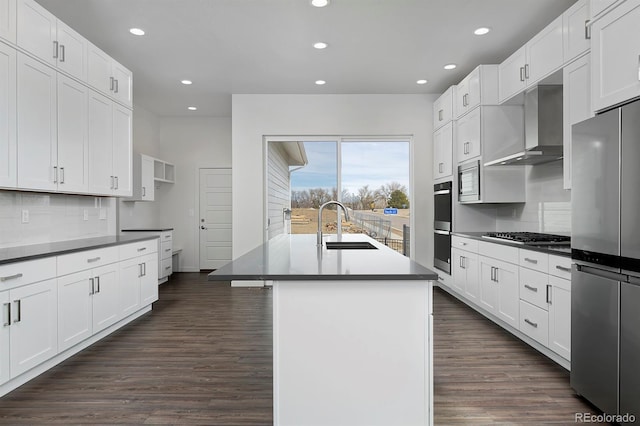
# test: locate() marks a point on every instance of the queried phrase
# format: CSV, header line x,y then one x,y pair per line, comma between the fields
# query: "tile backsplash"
x,y
548,206
53,217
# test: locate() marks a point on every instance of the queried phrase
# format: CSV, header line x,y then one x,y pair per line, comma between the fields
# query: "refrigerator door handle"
x,y
602,273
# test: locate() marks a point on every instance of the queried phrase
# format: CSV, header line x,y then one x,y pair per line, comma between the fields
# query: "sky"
x,y
363,163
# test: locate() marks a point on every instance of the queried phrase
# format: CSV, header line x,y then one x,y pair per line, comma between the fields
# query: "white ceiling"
x,y
265,46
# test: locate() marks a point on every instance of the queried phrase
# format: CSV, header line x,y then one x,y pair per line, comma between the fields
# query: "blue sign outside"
x,y
390,211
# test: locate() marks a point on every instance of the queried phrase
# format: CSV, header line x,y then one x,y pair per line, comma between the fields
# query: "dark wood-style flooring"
x,y
203,356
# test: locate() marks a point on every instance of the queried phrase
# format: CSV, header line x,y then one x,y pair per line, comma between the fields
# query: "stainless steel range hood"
x,y
543,129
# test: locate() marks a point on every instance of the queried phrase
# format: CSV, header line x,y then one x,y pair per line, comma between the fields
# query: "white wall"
x,y
190,143
255,116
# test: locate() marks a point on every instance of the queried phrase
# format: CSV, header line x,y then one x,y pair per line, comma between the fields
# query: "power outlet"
x,y
25,216
85,214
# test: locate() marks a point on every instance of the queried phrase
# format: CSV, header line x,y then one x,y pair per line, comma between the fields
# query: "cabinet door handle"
x,y
117,184
531,323
521,73
167,250
11,277
534,261
93,286
144,191
140,270
562,268
98,284
167,268
93,259
62,53
62,174
167,236
440,167
526,71
111,79
111,182
549,291
528,287
8,321
142,249
19,310
116,89
587,30
55,174
440,115
55,50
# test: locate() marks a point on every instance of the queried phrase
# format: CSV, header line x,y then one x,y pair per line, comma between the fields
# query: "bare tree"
x,y
365,197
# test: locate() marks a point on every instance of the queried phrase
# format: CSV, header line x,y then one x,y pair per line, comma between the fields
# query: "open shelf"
x,y
163,171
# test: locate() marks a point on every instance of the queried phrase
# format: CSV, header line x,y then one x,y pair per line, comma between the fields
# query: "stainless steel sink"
x,y
350,245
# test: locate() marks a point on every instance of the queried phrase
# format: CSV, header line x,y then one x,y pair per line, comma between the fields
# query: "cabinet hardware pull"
x,y
463,244
534,261
11,277
587,29
55,50
139,270
93,286
116,90
144,191
562,268
111,85
62,53
111,182
531,323
440,115
526,71
167,236
98,284
167,250
142,249
55,174
521,73
144,269
62,174
528,287
549,294
19,303
93,259
440,167
117,184
8,321
166,268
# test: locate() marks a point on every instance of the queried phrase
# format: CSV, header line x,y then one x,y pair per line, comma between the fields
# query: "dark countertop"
x,y
559,250
38,251
296,257
147,230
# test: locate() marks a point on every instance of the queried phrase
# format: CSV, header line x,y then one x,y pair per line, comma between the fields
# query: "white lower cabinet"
x,y
465,274
5,373
560,316
34,327
87,304
499,289
534,322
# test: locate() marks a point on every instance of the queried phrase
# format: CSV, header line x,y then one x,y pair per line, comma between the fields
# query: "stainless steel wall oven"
x,y
442,226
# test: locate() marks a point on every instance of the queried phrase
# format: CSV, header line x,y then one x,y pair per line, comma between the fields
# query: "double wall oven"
x,y
442,226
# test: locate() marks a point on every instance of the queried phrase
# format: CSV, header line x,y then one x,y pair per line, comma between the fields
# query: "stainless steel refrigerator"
x,y
605,242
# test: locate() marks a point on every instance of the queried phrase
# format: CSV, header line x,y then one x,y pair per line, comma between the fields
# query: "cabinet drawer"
x,y
533,287
534,260
498,251
560,266
166,268
166,250
462,243
75,262
166,236
127,251
534,322
20,273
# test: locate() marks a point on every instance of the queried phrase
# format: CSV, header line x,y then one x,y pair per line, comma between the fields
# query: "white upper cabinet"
x,y
615,68
41,34
122,150
8,20
480,87
540,57
443,152
37,125
108,76
443,109
577,37
73,149
468,136
143,182
601,7
8,147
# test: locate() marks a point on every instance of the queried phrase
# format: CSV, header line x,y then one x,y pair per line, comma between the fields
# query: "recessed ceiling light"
x,y
421,81
320,82
186,82
482,31
136,31
320,45
319,3
450,66
192,108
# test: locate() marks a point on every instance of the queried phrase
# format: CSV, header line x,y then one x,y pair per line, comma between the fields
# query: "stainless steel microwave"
x,y
469,182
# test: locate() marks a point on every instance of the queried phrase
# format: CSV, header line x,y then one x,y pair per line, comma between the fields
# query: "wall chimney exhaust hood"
x,y
542,126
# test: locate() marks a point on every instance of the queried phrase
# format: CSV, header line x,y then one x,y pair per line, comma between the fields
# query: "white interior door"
x,y
215,218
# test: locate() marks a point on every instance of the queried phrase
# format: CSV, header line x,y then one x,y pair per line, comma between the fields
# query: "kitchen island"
x,y
352,331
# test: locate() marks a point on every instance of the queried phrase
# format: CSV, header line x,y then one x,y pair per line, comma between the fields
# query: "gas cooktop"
x,y
531,238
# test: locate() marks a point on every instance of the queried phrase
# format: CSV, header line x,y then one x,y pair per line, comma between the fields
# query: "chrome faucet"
x,y
346,217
